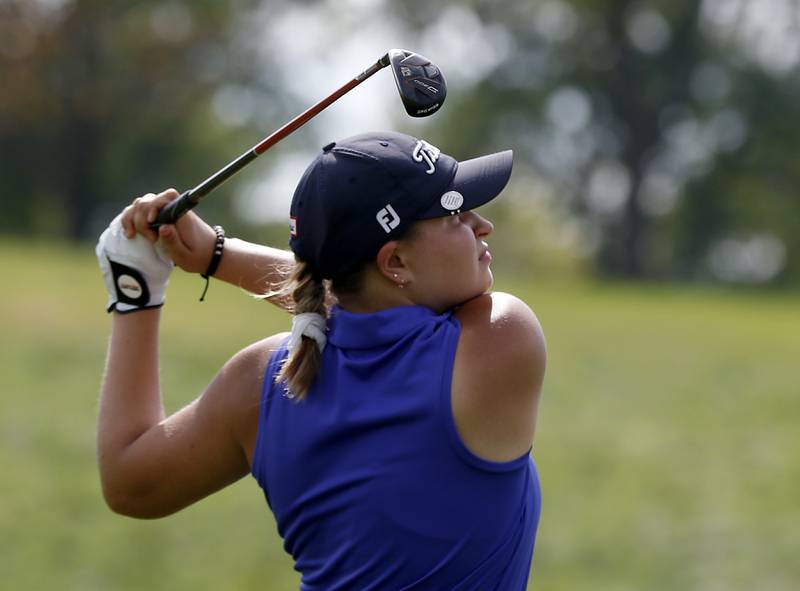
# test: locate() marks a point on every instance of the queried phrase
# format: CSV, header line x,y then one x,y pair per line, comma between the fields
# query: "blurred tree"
x,y
103,101
661,131
666,126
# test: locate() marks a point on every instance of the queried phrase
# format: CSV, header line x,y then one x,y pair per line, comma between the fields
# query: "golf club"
x,y
422,89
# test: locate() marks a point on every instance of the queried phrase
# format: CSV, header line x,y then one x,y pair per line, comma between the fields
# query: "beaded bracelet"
x,y
219,245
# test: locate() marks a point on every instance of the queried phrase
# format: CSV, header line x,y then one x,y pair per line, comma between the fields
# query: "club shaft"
x,y
189,199
311,112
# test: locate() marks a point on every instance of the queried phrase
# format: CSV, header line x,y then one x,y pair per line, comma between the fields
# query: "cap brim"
x,y
478,180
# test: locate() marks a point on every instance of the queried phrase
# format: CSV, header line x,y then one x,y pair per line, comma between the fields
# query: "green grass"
x,y
668,442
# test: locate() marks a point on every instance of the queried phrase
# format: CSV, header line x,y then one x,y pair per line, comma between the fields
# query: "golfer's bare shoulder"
x,y
497,376
243,377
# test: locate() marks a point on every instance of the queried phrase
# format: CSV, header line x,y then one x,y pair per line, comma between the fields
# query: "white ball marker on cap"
x,y
452,200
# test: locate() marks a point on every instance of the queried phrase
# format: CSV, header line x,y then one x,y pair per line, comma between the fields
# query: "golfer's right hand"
x,y
189,242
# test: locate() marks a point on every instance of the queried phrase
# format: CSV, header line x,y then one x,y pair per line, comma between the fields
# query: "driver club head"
x,y
421,84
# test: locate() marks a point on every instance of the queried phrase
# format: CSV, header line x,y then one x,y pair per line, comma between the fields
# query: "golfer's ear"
x,y
391,262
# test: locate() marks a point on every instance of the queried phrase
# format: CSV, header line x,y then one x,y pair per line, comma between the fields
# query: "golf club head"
x,y
420,82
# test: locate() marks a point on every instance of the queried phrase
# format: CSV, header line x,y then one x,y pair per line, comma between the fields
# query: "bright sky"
x,y
322,48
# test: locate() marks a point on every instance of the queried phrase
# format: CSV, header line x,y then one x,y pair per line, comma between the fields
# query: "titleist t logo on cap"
x,y
425,152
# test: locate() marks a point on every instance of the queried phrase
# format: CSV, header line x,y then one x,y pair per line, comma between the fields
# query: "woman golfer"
x,y
391,430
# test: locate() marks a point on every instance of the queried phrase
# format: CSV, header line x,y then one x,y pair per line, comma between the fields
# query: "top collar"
x,y
350,330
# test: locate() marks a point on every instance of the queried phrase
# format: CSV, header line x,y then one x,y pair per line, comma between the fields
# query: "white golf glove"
x,y
135,271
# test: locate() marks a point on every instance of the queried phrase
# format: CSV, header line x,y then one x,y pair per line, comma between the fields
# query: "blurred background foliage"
x,y
654,139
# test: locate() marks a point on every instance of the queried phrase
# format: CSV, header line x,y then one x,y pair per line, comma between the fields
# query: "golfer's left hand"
x,y
135,271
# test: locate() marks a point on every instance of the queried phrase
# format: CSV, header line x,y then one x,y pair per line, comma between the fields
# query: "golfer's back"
x,y
368,479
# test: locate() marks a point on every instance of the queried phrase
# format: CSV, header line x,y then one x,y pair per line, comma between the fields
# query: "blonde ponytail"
x,y
304,361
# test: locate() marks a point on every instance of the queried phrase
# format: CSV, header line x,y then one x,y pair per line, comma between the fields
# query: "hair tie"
x,y
309,324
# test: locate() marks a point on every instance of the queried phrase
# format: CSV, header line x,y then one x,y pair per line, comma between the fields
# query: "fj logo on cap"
x,y
424,152
388,218
452,200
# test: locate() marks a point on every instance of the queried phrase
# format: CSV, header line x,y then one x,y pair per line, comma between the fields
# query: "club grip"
x,y
173,211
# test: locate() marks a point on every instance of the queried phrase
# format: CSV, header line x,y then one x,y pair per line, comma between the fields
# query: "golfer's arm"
x,y
255,268
151,466
130,397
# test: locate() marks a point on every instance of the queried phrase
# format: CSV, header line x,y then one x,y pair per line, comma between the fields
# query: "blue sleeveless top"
x,y
369,481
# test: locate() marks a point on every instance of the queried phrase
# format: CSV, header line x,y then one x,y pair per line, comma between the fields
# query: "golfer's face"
x,y
451,262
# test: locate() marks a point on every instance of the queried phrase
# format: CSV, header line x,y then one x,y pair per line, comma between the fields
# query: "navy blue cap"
x,y
361,192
